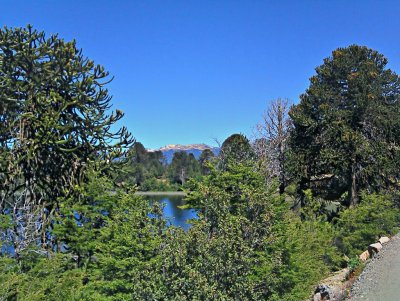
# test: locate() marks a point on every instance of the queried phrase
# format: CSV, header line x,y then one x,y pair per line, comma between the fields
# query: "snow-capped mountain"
x,y
195,149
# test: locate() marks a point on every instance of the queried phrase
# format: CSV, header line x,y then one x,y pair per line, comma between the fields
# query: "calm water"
x,y
172,212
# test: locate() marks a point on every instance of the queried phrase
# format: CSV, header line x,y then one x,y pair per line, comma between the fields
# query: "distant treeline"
x,y
149,170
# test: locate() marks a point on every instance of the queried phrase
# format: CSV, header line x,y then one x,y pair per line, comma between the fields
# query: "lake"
x,y
175,215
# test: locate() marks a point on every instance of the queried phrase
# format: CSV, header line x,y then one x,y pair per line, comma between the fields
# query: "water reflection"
x,y
172,212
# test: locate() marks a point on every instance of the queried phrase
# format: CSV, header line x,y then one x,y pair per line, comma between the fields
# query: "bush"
x,y
310,256
362,225
153,184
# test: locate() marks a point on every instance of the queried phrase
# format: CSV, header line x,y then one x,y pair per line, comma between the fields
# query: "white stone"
x,y
317,297
364,256
374,248
384,240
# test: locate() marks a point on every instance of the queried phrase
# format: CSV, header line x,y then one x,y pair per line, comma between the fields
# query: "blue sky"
x,y
194,71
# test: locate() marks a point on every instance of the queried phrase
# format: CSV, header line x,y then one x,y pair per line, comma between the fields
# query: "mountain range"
x,y
195,149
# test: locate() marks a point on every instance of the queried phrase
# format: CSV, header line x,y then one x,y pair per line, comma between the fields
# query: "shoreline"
x,y
167,193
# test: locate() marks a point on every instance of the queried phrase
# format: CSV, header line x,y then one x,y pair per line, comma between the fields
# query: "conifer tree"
x,y
347,124
54,121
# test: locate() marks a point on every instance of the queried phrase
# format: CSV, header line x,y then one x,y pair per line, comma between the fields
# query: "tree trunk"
x,y
182,176
282,180
353,194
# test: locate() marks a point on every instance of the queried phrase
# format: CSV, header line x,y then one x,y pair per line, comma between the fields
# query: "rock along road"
x,y
380,280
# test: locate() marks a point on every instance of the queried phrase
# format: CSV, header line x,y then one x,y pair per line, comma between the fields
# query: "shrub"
x,y
362,225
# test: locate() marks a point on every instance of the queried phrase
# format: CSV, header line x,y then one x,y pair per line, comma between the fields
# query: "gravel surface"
x,y
380,280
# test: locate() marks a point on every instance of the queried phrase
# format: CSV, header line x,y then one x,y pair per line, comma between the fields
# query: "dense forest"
x,y
276,213
150,171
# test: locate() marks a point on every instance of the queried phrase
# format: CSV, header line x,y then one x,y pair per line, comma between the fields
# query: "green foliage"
x,y
50,279
141,166
206,158
218,266
232,181
362,225
183,167
107,244
79,220
226,255
153,184
236,149
5,222
126,251
246,245
310,255
354,263
148,170
53,111
347,124
99,242
306,243
55,121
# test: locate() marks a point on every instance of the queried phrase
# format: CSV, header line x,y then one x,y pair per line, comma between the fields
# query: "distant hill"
x,y
195,149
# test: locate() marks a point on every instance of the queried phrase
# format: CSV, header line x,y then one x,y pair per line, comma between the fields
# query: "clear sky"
x,y
194,71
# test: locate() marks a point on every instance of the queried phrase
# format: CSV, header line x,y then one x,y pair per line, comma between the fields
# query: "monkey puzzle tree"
x,y
347,124
54,121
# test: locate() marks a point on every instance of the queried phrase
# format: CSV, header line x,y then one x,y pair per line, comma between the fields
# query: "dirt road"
x,y
380,280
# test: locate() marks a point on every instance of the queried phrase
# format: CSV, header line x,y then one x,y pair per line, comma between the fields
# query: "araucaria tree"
x,y
54,121
347,124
